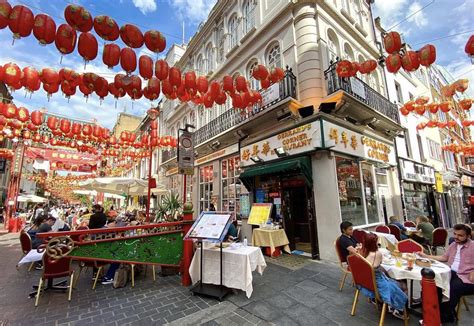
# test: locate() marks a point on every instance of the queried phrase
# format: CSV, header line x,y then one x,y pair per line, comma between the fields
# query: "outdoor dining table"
x,y
442,272
386,240
411,230
32,256
271,238
238,264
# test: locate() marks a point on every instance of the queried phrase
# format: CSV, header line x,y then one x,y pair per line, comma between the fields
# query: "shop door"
x,y
385,203
296,221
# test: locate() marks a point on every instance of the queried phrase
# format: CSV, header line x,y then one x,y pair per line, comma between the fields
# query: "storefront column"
x,y
326,196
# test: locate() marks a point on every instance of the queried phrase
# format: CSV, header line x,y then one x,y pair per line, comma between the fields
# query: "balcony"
x,y
355,100
234,117
168,154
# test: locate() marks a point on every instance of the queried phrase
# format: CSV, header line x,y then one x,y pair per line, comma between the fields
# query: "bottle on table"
x,y
245,241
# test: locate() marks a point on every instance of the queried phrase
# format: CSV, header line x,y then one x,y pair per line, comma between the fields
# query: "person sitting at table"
x,y
231,233
347,243
460,257
46,226
424,226
389,290
98,219
395,221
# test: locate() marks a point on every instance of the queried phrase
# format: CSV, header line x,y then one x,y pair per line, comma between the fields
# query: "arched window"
x,y
233,31
254,84
210,57
274,56
220,43
192,118
248,12
200,65
333,46
348,53
359,13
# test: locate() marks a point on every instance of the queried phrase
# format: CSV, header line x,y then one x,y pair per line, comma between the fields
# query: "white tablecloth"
x,y
32,256
237,267
442,274
387,240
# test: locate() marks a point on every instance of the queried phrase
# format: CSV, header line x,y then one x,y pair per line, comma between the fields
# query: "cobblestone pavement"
x,y
282,296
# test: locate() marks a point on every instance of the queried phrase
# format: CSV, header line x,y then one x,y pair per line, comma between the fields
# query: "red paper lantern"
x,y
76,128
445,107
128,60
87,46
111,55
51,89
26,134
344,69
145,67
30,79
175,76
5,10
265,83
466,123
214,89
240,84
228,84
410,61
427,55
469,48
44,29
404,111
393,63
277,74
207,100
69,75
65,39
461,85
220,98
22,114
65,126
86,130
102,88
115,91
448,91
420,109
190,80
152,90
465,104
84,87
49,76
161,69
52,122
154,41
12,74
78,17
433,107
367,66
260,72
37,118
106,28
392,42
21,21
237,101
131,36
68,89
422,100
202,84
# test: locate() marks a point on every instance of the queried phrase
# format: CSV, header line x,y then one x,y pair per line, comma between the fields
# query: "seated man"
x,y
460,257
394,221
425,228
347,244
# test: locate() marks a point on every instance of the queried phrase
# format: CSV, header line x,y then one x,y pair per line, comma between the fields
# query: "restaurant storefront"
x,y
320,173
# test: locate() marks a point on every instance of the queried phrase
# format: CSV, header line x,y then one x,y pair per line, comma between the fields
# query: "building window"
x,y
398,90
274,56
348,53
231,185
420,148
220,39
249,15
200,65
254,84
209,58
370,195
434,149
350,191
407,144
206,179
360,13
333,46
233,30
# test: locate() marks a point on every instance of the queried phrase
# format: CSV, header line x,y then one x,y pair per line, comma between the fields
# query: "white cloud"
x,y
389,11
145,6
192,11
419,17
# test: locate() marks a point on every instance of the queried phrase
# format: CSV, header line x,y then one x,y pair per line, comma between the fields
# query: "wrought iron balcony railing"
x,y
362,92
168,154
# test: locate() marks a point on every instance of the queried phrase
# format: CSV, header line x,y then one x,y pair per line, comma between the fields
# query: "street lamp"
x,y
152,115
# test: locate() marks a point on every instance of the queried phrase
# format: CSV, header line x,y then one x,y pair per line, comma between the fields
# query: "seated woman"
x,y
389,289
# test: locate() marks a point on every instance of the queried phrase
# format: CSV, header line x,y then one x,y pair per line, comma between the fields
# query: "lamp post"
x,y
152,115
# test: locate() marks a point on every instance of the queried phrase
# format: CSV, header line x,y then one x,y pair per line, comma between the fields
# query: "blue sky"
x,y
163,15
440,18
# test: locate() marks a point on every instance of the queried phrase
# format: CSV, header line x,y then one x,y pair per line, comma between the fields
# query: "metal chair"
x,y
363,274
382,229
26,246
409,246
440,236
409,224
395,230
344,268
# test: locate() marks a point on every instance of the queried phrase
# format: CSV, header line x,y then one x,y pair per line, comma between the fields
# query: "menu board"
x,y
210,226
260,213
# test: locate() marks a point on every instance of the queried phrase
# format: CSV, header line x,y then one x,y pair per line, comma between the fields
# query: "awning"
x,y
298,164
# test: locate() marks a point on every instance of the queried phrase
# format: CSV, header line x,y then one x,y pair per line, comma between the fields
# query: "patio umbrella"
x,y
29,198
94,193
117,185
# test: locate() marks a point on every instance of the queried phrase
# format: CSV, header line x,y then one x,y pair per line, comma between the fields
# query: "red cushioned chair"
x,y
55,269
395,230
363,275
359,235
26,246
440,236
342,264
409,224
382,229
409,246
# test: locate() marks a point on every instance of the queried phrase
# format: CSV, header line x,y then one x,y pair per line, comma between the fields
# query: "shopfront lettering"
x,y
377,150
294,131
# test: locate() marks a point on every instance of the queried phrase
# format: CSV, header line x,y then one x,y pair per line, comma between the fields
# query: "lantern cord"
x,y
444,37
409,16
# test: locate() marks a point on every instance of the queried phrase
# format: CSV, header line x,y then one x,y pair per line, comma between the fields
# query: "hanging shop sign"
x,y
415,172
439,182
217,154
18,159
185,152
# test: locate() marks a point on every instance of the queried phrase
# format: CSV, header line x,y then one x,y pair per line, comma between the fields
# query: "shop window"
x,y
350,191
416,203
231,184
370,193
206,179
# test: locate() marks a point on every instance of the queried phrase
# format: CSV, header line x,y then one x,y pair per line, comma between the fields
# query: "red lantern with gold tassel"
x,y
12,74
128,60
161,69
465,104
49,76
220,98
344,69
154,41
240,84
21,21
22,114
5,10
175,76
202,84
145,67
131,36
410,61
214,89
427,55
190,80
469,48
228,84
51,89
461,85
65,126
445,107
106,28
102,88
78,17
68,89
76,129
367,66
69,75
277,74
393,63
87,46
9,111
44,29
260,72
52,122
37,118
392,42
86,130
30,79
65,39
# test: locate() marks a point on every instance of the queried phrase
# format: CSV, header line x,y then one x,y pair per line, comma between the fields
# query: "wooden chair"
x,y
342,264
409,246
363,275
409,224
395,230
54,269
382,229
440,236
26,246
458,308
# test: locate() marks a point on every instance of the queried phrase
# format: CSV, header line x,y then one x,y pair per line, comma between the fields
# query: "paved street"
x,y
303,295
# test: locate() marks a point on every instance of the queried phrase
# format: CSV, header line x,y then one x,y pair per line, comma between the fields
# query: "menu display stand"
x,y
210,226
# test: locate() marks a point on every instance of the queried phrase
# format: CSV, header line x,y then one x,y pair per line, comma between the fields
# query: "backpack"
x,y
121,276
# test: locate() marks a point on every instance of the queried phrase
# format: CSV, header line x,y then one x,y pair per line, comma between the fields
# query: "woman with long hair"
x,y
389,290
